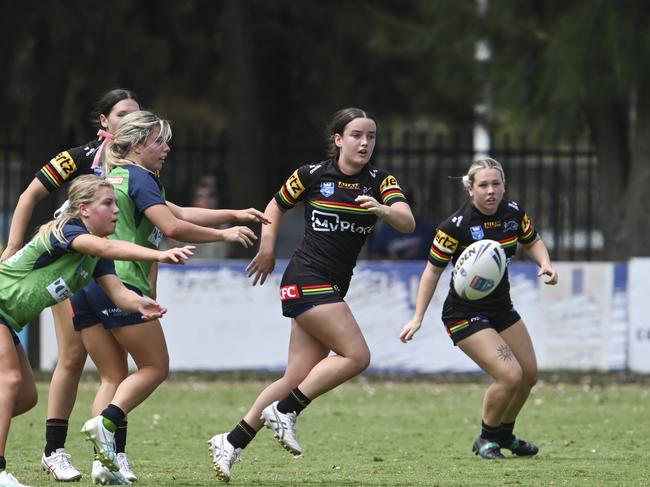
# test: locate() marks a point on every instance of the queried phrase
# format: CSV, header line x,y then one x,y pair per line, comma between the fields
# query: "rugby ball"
x,y
479,269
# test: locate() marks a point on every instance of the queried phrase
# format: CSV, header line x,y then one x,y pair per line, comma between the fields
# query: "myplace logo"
x,y
322,221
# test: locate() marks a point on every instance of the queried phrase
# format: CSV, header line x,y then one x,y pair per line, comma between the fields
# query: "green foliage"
x,y
369,433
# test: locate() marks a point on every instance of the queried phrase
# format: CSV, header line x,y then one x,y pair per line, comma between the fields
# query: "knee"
x,y
13,381
512,378
361,359
72,359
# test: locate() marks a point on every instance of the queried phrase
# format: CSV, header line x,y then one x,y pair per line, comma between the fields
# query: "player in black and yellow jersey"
x,y
343,198
61,169
488,330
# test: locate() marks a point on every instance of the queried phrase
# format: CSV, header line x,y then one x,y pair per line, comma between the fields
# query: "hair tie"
x,y
100,150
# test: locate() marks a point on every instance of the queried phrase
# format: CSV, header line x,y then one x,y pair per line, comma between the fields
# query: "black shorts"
x,y
303,288
463,322
14,336
92,305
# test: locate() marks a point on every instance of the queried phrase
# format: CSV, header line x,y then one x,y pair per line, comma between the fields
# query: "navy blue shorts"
x,y
14,336
463,323
301,289
92,305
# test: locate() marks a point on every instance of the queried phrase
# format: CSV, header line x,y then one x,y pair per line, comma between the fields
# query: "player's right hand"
x,y
177,255
243,235
261,266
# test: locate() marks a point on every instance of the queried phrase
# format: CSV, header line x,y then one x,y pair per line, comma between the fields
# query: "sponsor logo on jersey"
x,y
525,223
289,292
367,191
344,185
322,221
314,168
294,186
494,224
327,188
510,226
155,237
445,243
477,232
388,183
59,290
82,272
115,181
89,150
373,173
64,164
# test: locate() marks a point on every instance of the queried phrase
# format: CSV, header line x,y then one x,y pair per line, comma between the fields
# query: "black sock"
x,y
506,432
120,437
295,402
3,463
56,432
241,435
489,432
114,414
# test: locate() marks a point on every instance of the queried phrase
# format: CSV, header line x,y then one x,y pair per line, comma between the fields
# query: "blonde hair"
x,y
487,163
134,129
83,190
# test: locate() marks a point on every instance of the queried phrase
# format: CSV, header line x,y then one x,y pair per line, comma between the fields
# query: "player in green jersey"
x,y
64,256
133,159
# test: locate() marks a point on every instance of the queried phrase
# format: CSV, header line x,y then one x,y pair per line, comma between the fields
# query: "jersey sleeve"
x,y
390,191
446,242
295,188
145,190
66,166
527,230
70,231
104,267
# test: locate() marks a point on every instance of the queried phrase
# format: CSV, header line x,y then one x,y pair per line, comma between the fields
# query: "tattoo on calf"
x,y
505,353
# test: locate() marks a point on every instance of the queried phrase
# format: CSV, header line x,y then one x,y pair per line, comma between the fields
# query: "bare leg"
x,y
490,352
518,339
146,344
69,366
17,383
334,326
110,359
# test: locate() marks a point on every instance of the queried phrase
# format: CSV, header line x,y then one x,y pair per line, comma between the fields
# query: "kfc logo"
x,y
289,292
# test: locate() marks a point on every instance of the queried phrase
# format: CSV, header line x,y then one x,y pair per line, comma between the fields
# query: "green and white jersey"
x,y
136,189
44,273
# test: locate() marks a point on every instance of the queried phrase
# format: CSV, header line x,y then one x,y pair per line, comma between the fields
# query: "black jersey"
x,y
509,225
336,227
69,164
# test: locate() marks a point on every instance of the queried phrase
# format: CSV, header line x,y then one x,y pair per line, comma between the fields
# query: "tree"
x,y
571,67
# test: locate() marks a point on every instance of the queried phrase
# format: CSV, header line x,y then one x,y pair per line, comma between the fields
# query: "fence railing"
x,y
556,187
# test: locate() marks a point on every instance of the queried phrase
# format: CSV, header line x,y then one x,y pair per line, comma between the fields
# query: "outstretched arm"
x,y
428,284
121,250
211,218
264,261
184,231
128,300
398,215
27,201
538,252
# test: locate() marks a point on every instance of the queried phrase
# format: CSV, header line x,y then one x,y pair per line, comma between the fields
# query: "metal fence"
x,y
556,187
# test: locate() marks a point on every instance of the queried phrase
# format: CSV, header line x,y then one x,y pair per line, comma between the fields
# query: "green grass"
x,y
368,433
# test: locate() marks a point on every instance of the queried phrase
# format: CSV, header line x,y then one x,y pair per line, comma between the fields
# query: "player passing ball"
x,y
488,330
65,255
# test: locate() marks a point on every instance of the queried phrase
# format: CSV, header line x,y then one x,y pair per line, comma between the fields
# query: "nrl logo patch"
x,y
327,188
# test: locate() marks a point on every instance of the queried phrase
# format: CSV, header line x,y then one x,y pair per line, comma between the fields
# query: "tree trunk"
x,y
245,138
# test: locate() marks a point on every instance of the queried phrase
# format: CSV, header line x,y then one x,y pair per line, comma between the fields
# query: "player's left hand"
x,y
150,309
251,215
547,270
372,205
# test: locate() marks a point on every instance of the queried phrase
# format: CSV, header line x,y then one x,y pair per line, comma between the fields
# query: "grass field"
x,y
368,433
